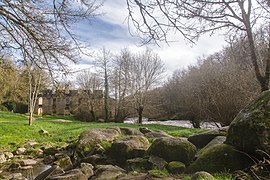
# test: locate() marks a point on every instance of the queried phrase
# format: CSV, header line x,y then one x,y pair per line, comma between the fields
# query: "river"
x,y
180,123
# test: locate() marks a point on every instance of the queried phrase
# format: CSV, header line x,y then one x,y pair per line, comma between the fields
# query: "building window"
x,y
40,101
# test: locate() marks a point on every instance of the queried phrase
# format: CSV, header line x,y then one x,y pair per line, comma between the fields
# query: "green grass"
x,y
14,129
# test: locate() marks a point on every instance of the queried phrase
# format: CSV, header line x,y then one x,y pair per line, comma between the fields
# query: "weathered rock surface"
x,y
202,139
73,174
130,131
128,147
28,162
9,155
20,151
87,169
157,134
90,138
97,159
157,162
173,149
220,158
250,130
104,172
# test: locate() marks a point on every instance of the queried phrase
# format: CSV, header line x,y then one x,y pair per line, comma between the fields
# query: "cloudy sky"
x,y
110,30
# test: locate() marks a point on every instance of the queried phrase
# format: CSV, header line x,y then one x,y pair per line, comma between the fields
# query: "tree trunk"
x,y
140,112
93,114
106,98
30,119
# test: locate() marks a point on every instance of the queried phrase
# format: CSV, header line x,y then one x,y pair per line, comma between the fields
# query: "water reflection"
x,y
32,173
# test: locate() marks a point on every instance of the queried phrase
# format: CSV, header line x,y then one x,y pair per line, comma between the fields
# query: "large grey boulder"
x,y
128,147
173,149
90,138
202,139
250,130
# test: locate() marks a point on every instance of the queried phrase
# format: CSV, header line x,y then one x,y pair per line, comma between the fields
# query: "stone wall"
x,y
68,102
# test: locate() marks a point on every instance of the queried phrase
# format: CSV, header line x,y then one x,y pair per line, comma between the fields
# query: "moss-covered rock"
x,y
64,163
90,138
250,130
176,167
202,175
218,158
173,149
128,147
215,141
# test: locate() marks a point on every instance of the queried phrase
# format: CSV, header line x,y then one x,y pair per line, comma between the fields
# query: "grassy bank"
x,y
14,129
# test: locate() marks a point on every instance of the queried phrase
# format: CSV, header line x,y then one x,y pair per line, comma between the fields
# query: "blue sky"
x,y
110,30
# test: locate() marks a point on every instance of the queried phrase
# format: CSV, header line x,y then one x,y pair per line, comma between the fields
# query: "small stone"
x,y
2,158
43,132
31,143
26,167
20,151
9,155
39,152
28,162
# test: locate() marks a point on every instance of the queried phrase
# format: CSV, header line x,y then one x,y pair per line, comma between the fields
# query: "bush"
x,y
10,105
84,116
3,108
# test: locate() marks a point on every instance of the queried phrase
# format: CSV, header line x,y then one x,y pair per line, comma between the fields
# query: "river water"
x,y
180,123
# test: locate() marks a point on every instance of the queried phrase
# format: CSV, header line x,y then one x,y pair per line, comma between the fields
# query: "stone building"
x,y
69,102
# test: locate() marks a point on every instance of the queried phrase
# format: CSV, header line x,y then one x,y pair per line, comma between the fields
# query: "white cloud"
x,y
110,31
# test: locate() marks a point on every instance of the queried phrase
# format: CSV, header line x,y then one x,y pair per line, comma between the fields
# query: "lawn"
x,y
15,131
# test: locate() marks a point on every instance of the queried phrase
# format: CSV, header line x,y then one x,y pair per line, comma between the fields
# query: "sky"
x,y
110,30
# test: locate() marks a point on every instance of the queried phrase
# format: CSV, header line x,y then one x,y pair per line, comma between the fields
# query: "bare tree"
x,y
104,61
147,70
121,81
90,84
196,17
40,29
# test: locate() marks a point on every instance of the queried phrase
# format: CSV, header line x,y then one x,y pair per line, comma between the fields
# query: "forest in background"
x,y
215,89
